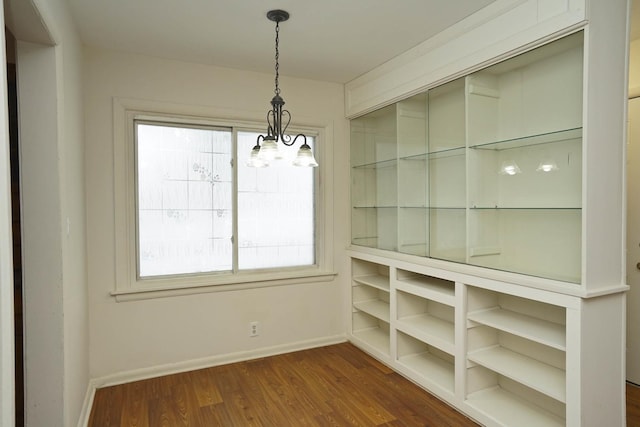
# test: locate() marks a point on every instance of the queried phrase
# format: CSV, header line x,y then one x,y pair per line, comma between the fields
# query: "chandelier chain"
x,y
277,89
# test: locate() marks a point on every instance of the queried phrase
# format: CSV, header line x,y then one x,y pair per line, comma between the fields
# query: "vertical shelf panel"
x,y
413,176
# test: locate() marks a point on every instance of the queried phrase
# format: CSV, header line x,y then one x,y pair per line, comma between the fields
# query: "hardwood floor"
x,y
337,385
633,405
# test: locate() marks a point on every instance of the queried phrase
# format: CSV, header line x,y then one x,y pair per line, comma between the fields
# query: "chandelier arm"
x,y
291,142
283,135
271,124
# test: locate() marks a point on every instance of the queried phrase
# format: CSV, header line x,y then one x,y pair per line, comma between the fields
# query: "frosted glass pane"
x,y
184,200
276,213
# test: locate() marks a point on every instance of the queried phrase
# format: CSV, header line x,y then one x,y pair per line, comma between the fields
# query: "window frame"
x,y
128,286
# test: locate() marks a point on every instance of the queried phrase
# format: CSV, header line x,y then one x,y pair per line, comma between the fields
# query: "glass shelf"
x,y
526,141
377,165
525,208
437,207
432,155
375,207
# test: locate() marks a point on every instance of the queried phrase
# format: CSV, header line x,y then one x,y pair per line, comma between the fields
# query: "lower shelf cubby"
x,y
427,365
508,403
514,380
372,332
426,320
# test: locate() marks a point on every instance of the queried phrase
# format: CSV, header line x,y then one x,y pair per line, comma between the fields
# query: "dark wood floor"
x,y
337,385
633,406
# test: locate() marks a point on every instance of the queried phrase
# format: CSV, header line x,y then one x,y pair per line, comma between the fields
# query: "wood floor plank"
x,y
336,385
283,394
206,391
162,413
135,408
633,405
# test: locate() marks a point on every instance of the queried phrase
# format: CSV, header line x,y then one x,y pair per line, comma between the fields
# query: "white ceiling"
x,y
329,40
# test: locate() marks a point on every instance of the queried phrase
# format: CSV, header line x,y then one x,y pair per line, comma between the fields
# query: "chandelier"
x,y
278,119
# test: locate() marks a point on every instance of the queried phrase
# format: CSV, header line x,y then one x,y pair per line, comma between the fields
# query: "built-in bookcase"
x,y
487,170
499,352
483,170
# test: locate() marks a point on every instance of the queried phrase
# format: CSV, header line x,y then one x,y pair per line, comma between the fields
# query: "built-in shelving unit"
x,y
478,348
489,189
483,170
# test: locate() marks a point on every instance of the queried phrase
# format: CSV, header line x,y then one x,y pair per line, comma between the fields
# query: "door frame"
x,y
7,345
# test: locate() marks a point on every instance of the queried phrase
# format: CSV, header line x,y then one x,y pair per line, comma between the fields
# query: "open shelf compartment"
x,y
372,332
429,287
427,321
508,409
429,366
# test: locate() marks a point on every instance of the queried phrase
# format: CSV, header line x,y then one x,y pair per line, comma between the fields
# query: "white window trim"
x,y
127,285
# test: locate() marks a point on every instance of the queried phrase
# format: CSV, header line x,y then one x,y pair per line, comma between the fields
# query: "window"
x,y
192,198
191,217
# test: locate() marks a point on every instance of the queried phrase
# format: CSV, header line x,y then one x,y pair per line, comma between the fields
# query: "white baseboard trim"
x,y
191,365
85,412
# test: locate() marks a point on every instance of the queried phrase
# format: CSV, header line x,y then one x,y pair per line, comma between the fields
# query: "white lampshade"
x,y
269,150
254,159
305,157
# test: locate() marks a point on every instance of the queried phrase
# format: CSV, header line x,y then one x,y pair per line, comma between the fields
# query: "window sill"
x,y
164,288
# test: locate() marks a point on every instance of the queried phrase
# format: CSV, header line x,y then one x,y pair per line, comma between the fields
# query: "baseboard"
x,y
87,404
190,365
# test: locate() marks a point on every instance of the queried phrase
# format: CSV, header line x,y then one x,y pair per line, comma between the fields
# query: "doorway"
x,y
12,97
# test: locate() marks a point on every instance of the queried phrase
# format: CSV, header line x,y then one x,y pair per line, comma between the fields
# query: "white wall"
x,y
52,189
135,335
634,66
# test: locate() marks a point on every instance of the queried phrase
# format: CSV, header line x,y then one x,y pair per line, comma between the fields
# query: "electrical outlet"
x,y
254,329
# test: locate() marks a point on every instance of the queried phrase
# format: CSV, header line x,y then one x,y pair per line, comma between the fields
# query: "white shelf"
x,y
376,308
534,374
431,368
509,410
538,330
375,338
431,330
442,291
374,280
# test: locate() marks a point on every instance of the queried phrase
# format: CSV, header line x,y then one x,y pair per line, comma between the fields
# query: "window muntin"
x,y
186,208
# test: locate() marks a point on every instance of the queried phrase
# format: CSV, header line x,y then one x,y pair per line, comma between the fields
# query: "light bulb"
x,y
509,168
547,165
